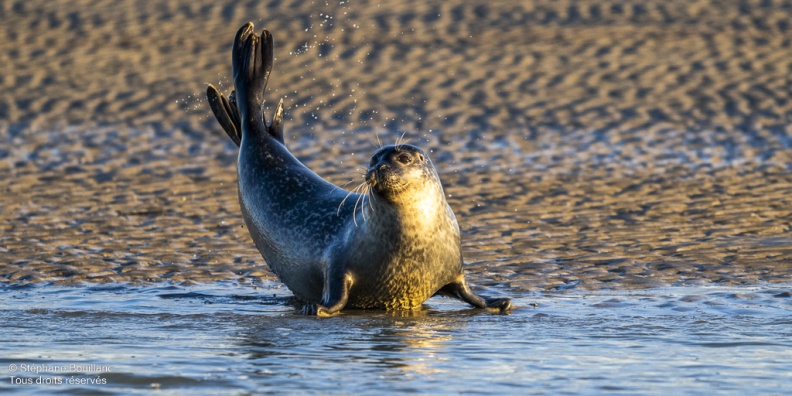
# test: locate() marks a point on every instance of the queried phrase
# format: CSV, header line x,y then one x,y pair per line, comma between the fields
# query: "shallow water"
x,y
227,338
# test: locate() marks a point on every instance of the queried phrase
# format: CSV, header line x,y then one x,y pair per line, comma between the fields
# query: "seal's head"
x,y
400,171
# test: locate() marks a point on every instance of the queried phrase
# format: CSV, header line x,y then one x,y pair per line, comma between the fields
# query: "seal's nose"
x,y
378,165
376,169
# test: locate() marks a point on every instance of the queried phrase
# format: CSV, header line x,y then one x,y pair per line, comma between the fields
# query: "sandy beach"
x,y
603,144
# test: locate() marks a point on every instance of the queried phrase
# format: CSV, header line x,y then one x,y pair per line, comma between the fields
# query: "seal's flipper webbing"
x,y
225,112
237,50
268,56
233,111
252,61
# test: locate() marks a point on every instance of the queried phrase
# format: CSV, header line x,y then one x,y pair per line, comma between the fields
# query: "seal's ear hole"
x,y
404,158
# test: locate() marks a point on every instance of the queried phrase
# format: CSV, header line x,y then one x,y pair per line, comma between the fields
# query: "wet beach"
x,y
591,151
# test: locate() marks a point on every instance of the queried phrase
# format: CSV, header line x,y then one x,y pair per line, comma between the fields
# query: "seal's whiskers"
x,y
361,187
354,190
401,141
370,196
379,142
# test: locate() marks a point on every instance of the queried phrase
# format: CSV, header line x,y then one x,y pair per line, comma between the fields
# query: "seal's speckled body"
x,y
390,249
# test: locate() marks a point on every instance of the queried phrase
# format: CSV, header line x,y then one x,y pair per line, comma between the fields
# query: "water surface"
x,y
227,338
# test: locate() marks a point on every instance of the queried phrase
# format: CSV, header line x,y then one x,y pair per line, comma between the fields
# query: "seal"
x,y
391,247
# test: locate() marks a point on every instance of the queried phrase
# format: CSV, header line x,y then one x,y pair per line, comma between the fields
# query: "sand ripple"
x,y
582,144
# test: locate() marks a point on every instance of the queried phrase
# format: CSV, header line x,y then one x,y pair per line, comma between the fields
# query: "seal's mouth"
x,y
385,179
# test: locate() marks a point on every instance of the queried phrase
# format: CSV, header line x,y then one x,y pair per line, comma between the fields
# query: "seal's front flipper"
x,y
335,297
460,290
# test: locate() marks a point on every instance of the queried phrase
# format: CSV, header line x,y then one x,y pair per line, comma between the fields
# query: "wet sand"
x,y
591,145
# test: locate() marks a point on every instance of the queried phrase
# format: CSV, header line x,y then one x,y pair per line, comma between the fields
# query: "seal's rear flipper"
x,y
252,62
252,58
226,113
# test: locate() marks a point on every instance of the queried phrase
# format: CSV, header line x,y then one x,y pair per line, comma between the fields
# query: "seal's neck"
x,y
419,209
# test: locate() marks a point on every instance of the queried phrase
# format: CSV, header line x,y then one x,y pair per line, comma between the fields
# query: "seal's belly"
x,y
398,287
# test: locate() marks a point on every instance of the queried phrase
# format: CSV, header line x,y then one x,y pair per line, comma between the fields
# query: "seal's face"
x,y
398,170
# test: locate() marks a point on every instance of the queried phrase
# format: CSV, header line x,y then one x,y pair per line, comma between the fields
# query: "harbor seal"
x,y
391,248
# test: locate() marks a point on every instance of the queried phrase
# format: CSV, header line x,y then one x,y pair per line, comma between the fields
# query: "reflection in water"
x,y
400,343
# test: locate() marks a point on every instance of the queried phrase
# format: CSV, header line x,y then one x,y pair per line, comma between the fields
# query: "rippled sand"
x,y
607,144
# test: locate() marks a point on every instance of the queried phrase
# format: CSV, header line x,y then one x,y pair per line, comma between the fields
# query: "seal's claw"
x,y
315,310
276,127
504,305
308,310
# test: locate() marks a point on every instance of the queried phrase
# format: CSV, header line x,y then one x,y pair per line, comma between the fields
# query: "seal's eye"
x,y
404,158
